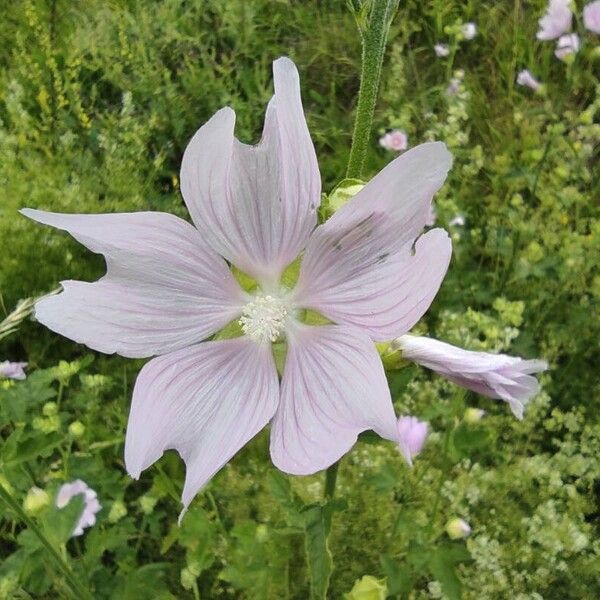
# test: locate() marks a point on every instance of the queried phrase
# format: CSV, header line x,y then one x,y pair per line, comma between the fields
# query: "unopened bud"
x,y
76,429
50,409
458,528
473,415
36,500
368,588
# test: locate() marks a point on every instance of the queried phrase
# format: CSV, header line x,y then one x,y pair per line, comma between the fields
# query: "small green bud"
x,y
473,415
147,504
368,588
36,500
50,409
262,533
457,528
117,511
76,429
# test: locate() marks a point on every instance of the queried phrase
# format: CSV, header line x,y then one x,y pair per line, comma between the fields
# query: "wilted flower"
x,y
12,370
91,506
473,415
458,528
556,21
395,140
469,30
525,78
441,50
368,588
591,16
495,375
168,287
567,45
412,434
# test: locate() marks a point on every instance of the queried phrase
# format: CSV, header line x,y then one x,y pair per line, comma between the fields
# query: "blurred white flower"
x,y
567,45
458,528
591,16
395,140
12,370
441,50
91,507
525,78
457,221
469,30
556,20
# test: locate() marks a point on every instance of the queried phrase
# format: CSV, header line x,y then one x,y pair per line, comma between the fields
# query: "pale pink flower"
x,y
556,21
441,50
566,46
395,140
91,504
495,375
591,16
168,287
526,79
469,30
412,434
12,370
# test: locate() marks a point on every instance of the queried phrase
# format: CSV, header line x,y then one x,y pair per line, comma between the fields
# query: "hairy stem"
x,y
374,37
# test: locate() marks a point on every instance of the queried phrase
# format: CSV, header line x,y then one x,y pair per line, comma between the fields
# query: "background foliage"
x,y
97,102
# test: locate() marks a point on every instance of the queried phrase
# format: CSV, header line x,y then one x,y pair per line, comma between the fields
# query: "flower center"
x,y
264,318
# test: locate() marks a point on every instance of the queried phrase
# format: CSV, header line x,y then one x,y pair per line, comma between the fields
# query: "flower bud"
x,y
368,588
50,409
457,528
76,429
36,500
473,415
117,511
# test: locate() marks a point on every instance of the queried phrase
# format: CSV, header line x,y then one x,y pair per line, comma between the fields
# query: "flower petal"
x,y
206,402
256,205
494,375
164,288
383,295
333,388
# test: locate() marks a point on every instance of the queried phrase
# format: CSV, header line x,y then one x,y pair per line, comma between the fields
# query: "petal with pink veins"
x,y
361,285
164,288
333,388
206,402
256,205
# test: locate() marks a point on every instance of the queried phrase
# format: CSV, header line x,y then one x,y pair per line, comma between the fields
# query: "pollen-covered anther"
x,y
264,318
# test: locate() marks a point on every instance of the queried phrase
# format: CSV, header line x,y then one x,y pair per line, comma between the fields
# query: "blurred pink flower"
x,y
395,140
12,370
556,21
412,434
441,50
525,78
91,506
567,45
495,375
469,30
591,16
168,287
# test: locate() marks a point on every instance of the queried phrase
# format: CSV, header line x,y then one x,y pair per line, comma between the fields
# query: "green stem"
x,y
330,480
79,592
374,38
373,46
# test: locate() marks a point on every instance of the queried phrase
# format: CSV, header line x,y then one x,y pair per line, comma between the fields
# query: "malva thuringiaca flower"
x,y
412,434
395,140
91,505
556,20
526,79
13,370
566,46
169,287
591,16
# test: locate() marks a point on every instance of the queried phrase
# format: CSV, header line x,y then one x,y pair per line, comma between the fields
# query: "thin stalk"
x,y
79,592
330,480
373,46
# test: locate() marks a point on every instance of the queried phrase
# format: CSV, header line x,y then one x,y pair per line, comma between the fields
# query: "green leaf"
x,y
320,563
442,565
146,582
400,578
59,523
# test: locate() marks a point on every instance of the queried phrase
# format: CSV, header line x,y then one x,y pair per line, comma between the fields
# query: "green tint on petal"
x,y
233,329
279,354
343,191
247,283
